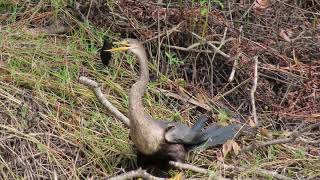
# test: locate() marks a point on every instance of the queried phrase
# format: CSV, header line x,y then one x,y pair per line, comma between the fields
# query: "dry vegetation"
x,y
52,127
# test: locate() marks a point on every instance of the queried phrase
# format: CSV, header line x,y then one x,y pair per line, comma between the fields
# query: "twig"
x,y
257,171
190,48
236,58
166,33
294,135
253,91
269,49
96,89
88,13
77,9
234,67
218,50
194,45
309,141
189,167
189,99
139,173
233,89
245,13
215,48
212,174
314,13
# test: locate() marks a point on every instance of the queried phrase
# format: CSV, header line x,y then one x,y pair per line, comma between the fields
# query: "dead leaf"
x,y
226,148
265,132
236,148
251,123
220,158
183,93
200,98
261,4
230,145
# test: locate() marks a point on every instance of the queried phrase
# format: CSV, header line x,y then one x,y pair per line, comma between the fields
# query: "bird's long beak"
x,y
123,46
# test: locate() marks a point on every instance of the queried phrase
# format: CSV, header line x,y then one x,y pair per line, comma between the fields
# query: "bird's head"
x,y
128,44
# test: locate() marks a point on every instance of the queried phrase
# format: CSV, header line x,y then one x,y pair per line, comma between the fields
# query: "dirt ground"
x,y
52,127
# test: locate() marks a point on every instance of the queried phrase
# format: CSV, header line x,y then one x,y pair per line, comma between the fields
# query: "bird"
x,y
147,134
162,139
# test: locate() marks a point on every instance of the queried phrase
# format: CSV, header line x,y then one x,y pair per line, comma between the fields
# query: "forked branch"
x,y
97,91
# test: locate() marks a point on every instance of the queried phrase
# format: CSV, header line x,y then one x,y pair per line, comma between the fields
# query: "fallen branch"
x,y
294,135
139,173
189,167
96,89
214,175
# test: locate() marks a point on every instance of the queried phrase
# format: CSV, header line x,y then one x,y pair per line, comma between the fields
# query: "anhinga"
x,y
166,140
147,134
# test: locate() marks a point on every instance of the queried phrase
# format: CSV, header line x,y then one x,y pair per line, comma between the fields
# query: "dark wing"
x,y
215,135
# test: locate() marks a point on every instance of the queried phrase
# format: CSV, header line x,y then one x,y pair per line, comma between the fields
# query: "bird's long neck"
x,y
137,114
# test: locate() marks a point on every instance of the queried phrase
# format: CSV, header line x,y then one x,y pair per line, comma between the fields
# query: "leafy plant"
x,y
173,59
223,116
300,153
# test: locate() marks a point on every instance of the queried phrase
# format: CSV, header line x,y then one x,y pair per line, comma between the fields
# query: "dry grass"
x,y
52,126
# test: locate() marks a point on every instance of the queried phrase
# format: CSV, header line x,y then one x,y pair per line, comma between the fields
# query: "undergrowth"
x,y
52,126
